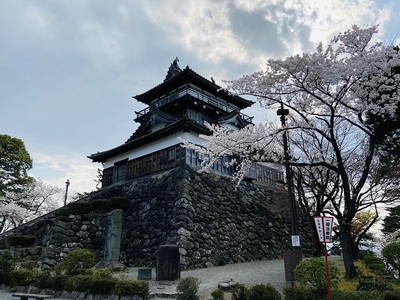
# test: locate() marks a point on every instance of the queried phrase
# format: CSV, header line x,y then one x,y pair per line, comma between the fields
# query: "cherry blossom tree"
x,y
35,200
331,95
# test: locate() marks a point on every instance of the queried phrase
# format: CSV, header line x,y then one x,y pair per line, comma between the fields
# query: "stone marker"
x,y
113,242
113,238
168,263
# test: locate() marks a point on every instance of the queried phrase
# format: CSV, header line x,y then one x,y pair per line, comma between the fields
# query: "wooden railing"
x,y
213,101
175,156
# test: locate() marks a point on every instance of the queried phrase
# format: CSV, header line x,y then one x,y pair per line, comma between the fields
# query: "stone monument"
x,y
168,263
113,242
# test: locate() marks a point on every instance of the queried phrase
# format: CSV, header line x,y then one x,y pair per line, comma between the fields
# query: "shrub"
x,y
29,264
104,273
217,294
58,282
102,285
21,277
263,292
376,264
298,293
43,280
239,293
392,296
379,267
7,264
132,287
62,211
340,295
76,261
365,253
90,283
7,261
21,241
391,252
80,283
120,202
102,204
4,278
363,271
372,284
187,288
311,272
80,208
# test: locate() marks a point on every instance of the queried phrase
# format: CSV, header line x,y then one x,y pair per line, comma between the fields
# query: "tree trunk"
x,y
346,242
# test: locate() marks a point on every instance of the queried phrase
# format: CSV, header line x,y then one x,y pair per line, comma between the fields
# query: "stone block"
x,y
168,263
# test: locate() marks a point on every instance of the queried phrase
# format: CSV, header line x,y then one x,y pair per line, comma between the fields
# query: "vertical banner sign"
x,y
328,226
324,226
319,227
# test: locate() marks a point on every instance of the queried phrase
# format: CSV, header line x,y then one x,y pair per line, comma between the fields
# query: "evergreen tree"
x,y
391,223
15,162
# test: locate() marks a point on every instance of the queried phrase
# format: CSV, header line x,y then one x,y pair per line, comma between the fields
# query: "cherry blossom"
x,y
332,95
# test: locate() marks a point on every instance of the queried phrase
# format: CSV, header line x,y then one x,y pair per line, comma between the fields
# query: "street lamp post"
x,y
66,191
291,257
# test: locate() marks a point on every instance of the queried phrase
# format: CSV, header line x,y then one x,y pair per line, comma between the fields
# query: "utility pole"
x,y
294,256
66,191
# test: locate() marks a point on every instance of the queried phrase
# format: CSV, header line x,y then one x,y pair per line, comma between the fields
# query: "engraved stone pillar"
x,y
113,242
113,238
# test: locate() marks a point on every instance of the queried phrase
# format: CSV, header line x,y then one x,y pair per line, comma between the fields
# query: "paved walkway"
x,y
248,274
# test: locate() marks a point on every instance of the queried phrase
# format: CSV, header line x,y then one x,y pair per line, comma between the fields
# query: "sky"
x,y
69,69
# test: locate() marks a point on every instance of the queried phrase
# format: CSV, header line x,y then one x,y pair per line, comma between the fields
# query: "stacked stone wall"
x,y
212,220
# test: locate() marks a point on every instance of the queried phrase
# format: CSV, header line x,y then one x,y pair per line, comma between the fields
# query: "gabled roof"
x,y
233,115
154,116
187,75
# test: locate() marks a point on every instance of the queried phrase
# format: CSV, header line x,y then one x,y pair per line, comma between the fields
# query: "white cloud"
x,y
55,168
252,31
103,45
332,17
201,27
69,68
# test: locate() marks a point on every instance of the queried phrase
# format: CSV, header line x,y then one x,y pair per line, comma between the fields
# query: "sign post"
x,y
324,226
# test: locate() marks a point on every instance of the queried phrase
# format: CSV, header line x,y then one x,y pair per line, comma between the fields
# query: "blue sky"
x,y
69,69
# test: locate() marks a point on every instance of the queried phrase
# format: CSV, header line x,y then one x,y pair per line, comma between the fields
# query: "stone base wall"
x,y
212,220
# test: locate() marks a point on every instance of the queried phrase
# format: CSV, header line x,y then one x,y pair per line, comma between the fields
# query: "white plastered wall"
x,y
157,145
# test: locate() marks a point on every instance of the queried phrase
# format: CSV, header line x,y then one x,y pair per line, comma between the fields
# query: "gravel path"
x,y
248,274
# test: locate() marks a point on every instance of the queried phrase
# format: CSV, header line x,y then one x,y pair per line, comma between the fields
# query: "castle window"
x,y
198,117
171,154
121,170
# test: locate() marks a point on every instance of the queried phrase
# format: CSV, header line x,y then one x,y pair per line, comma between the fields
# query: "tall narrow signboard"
x,y
324,226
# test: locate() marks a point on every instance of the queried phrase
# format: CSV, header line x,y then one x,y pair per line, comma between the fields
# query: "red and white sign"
x,y
324,226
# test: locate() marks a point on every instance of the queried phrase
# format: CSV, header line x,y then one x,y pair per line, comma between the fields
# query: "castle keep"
x,y
206,215
178,107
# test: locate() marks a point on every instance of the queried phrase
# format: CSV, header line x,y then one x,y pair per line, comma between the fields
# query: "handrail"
x,y
196,94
